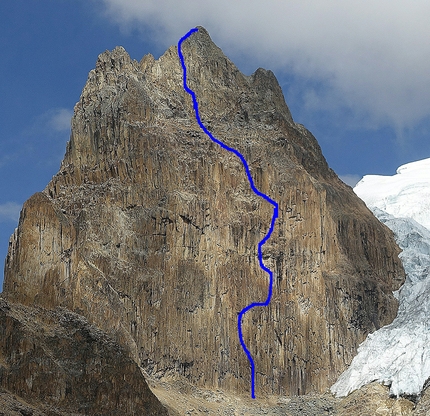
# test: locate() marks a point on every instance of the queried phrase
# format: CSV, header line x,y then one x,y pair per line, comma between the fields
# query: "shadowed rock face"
x,y
57,363
150,230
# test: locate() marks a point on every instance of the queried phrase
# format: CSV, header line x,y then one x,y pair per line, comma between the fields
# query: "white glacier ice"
x,y
405,194
398,354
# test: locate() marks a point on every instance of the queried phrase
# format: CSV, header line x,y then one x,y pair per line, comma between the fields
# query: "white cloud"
x,y
372,56
350,180
59,119
9,211
49,123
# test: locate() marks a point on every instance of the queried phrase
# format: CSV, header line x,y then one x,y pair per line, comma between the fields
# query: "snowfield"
x,y
398,354
404,195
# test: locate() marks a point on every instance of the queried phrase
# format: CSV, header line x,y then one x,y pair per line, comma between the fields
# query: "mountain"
x,y
398,354
150,231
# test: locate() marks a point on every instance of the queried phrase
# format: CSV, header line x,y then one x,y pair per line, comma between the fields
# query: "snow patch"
x,y
405,194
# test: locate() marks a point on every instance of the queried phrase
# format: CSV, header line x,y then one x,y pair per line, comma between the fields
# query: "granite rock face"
x,y
150,230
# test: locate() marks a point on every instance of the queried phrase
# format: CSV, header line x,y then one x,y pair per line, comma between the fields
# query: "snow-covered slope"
x,y
406,194
399,354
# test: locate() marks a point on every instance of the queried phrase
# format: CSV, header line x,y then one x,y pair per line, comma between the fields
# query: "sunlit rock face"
x,y
150,230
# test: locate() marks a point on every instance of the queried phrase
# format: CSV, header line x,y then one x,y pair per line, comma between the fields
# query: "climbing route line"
x,y
251,182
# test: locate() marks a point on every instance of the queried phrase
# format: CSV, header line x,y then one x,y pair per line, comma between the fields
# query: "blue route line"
x,y
251,182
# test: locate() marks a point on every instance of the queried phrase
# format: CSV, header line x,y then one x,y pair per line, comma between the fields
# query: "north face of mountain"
x,y
150,230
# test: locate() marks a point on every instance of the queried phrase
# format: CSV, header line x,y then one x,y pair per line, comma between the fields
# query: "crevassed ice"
x,y
398,354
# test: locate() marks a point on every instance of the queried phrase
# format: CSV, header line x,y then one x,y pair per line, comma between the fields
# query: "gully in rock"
x,y
256,191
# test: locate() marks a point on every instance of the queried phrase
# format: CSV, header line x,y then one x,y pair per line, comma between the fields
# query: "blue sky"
x,y
356,74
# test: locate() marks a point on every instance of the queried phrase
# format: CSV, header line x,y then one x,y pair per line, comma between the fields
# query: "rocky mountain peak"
x,y
257,98
117,61
151,231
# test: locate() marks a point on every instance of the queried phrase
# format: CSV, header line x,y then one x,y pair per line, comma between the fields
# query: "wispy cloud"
x,y
46,134
350,180
55,120
9,211
59,119
372,56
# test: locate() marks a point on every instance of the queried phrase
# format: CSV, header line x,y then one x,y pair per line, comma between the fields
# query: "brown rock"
x,y
423,405
150,230
373,400
57,363
11,405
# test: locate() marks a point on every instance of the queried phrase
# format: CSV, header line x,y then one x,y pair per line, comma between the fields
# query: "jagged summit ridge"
x,y
258,97
226,95
151,231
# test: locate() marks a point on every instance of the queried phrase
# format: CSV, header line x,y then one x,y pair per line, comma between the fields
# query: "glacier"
x,y
398,355
405,194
